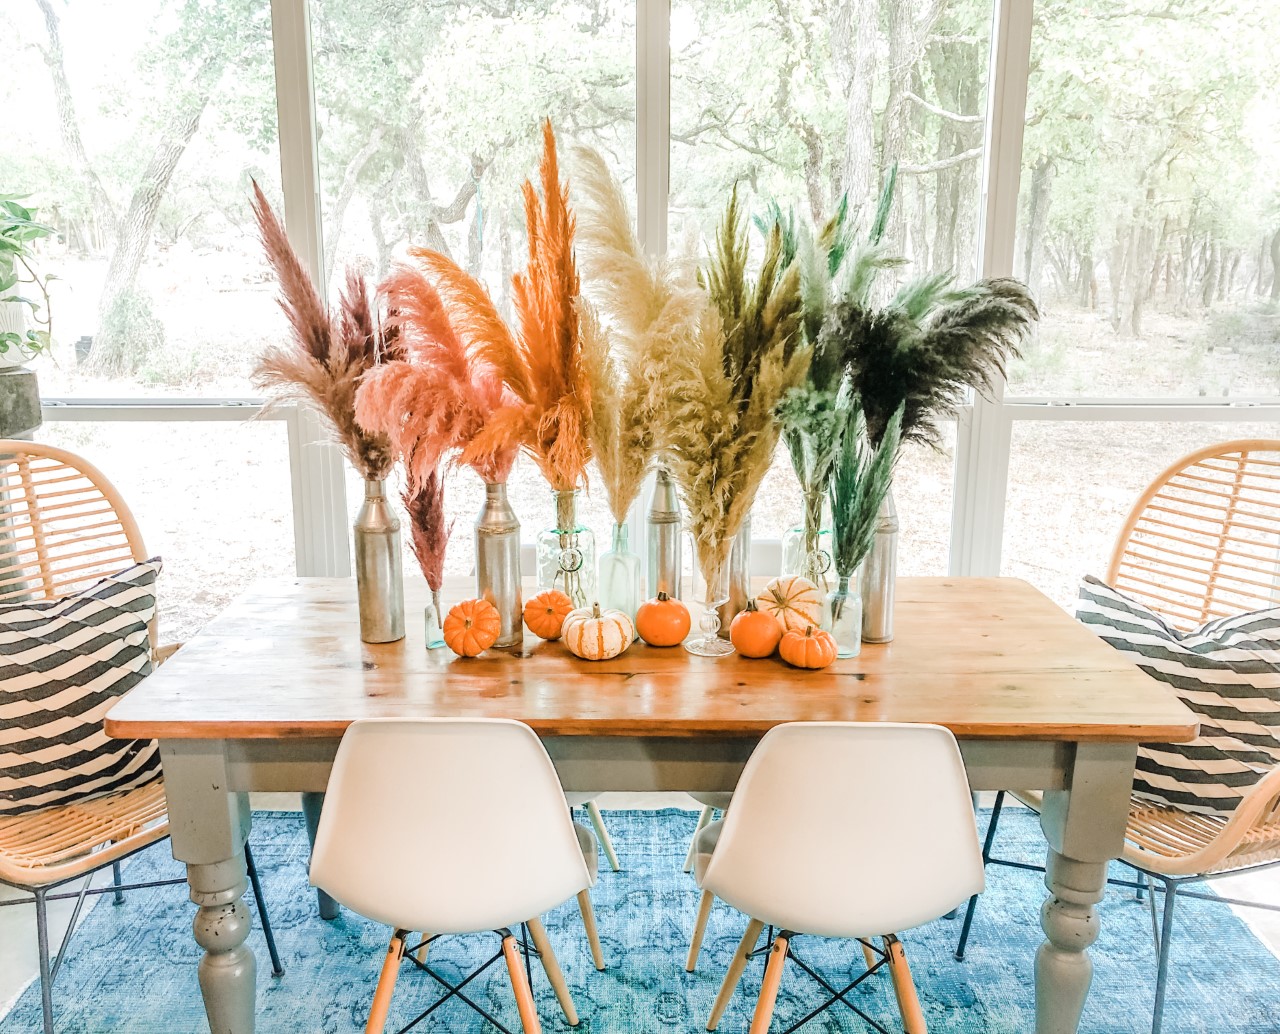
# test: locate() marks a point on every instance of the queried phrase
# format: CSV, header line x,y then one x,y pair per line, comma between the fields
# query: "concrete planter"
x,y
19,402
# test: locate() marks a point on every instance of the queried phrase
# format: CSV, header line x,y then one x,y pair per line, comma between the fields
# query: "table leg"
x,y
208,827
1084,826
312,804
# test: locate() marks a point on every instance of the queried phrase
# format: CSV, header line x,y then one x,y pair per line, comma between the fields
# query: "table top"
x,y
986,657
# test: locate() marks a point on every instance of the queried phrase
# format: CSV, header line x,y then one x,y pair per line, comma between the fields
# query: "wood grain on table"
x,y
986,657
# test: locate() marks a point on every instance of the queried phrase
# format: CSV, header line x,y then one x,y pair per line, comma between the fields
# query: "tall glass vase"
x,y
806,551
879,575
620,576
567,553
379,575
712,591
844,607
739,587
497,540
433,622
663,544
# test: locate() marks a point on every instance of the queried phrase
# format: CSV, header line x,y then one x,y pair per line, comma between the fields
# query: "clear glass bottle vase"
x,y
567,553
806,551
844,614
620,576
433,622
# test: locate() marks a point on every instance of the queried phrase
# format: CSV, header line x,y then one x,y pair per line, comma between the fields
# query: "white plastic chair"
x,y
453,826
842,829
587,801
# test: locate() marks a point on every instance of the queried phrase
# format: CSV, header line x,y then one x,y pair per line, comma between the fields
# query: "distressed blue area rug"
x,y
132,968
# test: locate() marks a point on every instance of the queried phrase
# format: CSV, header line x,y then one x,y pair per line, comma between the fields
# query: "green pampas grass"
x,y
860,481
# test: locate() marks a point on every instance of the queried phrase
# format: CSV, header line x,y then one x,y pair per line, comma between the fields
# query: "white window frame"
x,y
985,426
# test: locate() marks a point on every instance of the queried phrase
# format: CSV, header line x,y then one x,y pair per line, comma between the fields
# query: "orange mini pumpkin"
x,y
471,627
754,633
662,621
794,602
812,648
544,614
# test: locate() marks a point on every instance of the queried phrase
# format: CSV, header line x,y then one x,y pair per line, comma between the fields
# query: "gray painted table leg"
x,y
1085,830
208,827
312,803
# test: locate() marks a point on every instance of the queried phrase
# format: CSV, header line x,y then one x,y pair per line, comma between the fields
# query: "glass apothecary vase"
x,y
844,615
567,553
806,551
620,576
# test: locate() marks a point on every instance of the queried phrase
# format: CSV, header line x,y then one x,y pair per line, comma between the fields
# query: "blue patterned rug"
x,y
132,968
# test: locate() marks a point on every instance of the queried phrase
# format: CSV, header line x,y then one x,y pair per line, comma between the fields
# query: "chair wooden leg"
x,y
421,953
602,834
552,967
386,985
699,930
739,963
769,989
868,953
520,985
589,924
904,988
703,819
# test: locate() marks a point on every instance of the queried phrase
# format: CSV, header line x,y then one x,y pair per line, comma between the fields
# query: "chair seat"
x,y
704,845
56,844
716,799
590,851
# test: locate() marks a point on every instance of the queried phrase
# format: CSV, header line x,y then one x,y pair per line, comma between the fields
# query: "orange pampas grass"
x,y
330,353
445,394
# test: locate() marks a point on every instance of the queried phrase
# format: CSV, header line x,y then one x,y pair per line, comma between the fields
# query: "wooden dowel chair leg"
x,y
386,985
868,953
602,834
552,967
904,988
421,953
589,924
703,819
769,989
739,963
699,930
520,985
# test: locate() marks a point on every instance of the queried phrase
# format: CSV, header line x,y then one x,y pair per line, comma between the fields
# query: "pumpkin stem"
x,y
751,605
662,596
595,610
808,631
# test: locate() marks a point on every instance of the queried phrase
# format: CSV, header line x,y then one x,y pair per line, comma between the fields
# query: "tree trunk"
x,y
342,200
1226,283
104,212
1037,220
1275,267
1210,282
854,49
112,352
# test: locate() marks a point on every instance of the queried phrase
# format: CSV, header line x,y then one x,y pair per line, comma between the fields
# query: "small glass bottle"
x,y
620,576
433,619
567,553
844,610
806,551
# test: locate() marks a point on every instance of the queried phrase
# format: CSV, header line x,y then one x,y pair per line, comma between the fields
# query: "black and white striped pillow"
x,y
63,664
1227,672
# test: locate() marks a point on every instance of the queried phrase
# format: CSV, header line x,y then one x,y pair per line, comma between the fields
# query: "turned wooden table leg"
x,y
1085,829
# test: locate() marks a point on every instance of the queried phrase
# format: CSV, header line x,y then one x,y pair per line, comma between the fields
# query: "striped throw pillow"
x,y
63,664
1227,672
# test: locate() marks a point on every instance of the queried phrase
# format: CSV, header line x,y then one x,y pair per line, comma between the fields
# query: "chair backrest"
x,y
446,826
849,829
63,525
1203,541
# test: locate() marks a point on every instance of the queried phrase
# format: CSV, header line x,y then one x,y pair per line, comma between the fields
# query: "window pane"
x,y
1072,484
1148,222
137,141
210,498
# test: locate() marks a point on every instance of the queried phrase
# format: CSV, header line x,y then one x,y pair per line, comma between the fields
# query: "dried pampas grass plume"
x,y
329,355
429,531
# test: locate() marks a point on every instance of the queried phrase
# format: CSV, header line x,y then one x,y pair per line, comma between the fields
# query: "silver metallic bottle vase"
x,y
879,573
379,576
739,577
664,538
497,535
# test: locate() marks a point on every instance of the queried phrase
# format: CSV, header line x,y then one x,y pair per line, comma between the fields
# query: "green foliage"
x,y
860,482
132,333
19,231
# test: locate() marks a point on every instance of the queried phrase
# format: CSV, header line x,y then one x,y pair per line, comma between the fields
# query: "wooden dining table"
x,y
259,700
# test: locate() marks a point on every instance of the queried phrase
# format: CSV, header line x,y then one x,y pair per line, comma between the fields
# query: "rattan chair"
x,y
62,527
1202,542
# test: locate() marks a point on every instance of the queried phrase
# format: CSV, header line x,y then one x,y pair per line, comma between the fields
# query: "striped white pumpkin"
x,y
794,602
596,635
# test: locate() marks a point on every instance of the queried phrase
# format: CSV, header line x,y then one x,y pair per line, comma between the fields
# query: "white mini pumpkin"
x,y
794,602
596,635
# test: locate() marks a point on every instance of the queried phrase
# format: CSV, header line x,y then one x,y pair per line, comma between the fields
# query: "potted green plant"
x,y
26,318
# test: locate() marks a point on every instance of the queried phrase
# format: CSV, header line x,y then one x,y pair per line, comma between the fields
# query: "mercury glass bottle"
x,y
620,576
844,605
379,575
665,537
806,551
497,538
567,553
879,575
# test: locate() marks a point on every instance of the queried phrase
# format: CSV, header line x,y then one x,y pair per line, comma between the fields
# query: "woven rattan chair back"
x,y
62,524
1203,541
